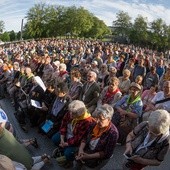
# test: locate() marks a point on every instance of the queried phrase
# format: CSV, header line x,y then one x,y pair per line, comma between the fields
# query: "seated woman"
x,y
139,80
148,95
165,77
37,94
73,128
160,101
124,83
76,85
128,110
26,106
96,149
57,112
148,143
47,102
103,72
110,94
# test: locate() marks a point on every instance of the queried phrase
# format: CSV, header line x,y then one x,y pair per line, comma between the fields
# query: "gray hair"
x,y
105,110
63,66
159,120
93,74
77,107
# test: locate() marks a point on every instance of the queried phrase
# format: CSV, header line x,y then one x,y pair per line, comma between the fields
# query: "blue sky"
x,y
12,11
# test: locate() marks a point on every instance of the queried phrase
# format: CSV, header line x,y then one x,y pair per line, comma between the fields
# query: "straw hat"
x,y
133,84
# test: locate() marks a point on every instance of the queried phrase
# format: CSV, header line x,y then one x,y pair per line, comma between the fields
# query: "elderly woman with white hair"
x,y
97,148
148,143
73,128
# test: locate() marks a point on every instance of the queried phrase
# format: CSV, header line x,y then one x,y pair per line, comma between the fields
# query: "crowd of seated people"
x,y
84,95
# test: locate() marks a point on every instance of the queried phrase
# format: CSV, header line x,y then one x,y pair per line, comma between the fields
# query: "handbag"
x,y
126,124
134,166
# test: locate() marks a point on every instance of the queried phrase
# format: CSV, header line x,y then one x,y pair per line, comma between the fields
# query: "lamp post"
x,y
21,28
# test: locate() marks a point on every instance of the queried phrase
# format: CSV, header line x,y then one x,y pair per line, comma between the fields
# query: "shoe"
x,y
57,153
46,158
34,143
61,160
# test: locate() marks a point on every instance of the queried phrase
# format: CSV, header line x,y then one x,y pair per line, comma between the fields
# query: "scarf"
x,y
138,98
97,131
62,73
30,76
109,95
86,115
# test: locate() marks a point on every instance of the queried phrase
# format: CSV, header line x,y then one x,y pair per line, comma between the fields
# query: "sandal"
x,y
34,142
57,153
46,158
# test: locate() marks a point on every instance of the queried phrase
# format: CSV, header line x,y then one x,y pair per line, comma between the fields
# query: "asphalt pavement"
x,y
46,145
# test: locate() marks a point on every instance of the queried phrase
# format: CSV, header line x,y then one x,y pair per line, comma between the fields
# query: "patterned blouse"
x,y
79,131
106,142
157,150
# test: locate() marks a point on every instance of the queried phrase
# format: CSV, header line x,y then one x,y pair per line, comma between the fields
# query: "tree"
x,y
51,20
139,31
2,25
12,35
36,25
76,21
5,37
18,35
158,34
99,29
122,26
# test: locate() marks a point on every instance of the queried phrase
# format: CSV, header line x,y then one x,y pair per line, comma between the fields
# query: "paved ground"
x,y
46,146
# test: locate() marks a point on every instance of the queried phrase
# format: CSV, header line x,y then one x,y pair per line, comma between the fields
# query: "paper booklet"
x,y
36,104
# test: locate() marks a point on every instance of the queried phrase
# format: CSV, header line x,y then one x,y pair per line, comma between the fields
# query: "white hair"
x,y
105,110
93,74
159,120
77,107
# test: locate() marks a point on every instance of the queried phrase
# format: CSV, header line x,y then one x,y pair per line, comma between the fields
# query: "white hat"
x,y
95,62
56,63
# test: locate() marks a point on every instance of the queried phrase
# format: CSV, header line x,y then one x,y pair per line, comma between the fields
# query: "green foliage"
x,y
139,32
123,24
12,35
18,35
98,29
5,37
52,21
155,35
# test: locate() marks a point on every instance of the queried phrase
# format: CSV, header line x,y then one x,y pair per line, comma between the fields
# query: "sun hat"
x,y
133,84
